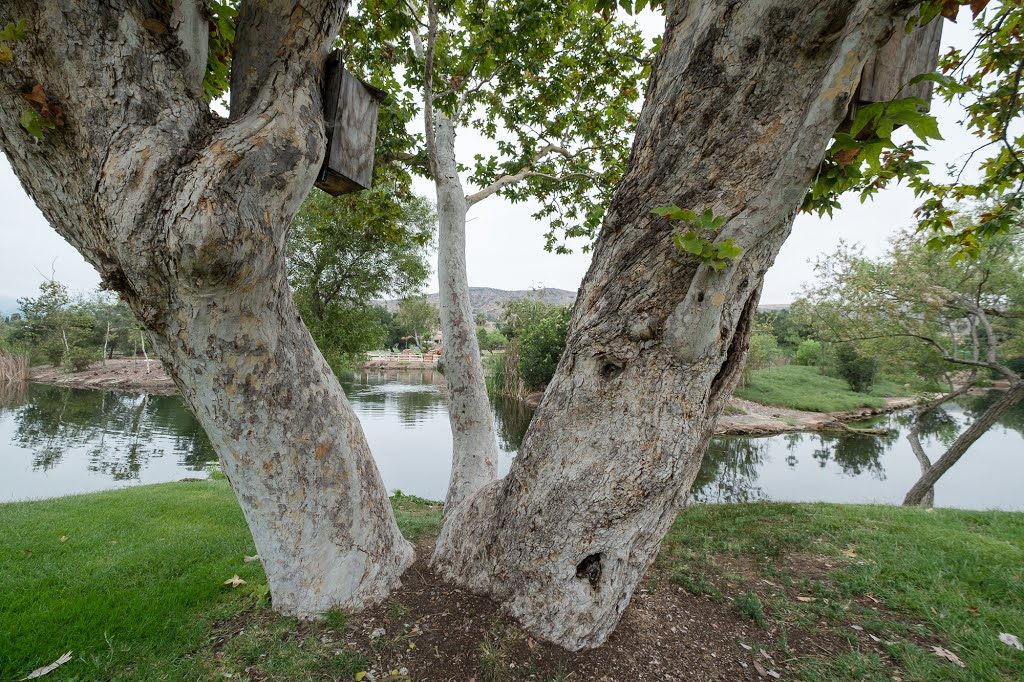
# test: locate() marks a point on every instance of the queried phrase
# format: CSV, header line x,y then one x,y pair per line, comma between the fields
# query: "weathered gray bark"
x,y
474,442
186,216
740,108
925,485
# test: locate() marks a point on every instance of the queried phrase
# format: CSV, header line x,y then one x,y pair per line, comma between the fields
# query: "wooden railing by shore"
x,y
414,360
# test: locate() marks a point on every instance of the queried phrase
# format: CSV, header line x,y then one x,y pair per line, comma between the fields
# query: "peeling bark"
x,y
741,105
186,216
474,444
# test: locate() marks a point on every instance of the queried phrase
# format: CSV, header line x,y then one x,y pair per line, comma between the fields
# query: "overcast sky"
x,y
504,245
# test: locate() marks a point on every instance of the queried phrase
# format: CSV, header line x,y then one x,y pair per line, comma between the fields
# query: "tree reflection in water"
x,y
122,431
728,472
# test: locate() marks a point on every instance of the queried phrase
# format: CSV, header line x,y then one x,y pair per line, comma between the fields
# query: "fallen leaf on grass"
x,y
1010,640
47,669
760,669
848,552
234,581
249,559
948,655
804,599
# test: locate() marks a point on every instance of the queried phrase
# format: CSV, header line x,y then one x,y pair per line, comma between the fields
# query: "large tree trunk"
x,y
921,490
474,444
187,216
740,108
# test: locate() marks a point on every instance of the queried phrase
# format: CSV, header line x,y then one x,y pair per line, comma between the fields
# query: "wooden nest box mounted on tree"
x,y
350,113
905,56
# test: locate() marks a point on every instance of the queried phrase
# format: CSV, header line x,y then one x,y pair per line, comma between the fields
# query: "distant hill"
x,y
8,305
491,302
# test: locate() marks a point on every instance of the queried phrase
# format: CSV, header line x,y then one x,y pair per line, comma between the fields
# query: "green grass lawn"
x,y
805,388
947,575
132,582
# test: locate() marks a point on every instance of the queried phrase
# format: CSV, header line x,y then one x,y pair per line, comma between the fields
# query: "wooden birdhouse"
x,y
350,112
905,56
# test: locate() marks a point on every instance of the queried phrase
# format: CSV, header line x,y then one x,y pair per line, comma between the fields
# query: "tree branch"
x,y
527,172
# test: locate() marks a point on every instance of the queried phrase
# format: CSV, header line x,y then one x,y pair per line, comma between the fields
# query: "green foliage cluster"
x,y
554,86
536,334
858,370
56,328
417,317
985,79
490,339
696,236
764,352
346,252
810,353
922,315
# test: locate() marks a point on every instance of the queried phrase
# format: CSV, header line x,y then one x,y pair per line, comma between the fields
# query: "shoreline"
x,y
119,374
125,374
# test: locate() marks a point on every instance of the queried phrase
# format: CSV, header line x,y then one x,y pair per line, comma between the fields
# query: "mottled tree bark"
x,y
474,444
741,105
186,216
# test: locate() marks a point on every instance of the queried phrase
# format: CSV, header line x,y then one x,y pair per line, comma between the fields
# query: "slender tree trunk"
x,y
742,102
186,215
917,494
914,436
474,443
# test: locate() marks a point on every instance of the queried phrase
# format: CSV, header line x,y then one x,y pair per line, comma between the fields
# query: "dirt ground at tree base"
x,y
431,631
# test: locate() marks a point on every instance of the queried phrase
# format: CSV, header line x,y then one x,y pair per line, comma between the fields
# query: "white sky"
x,y
504,245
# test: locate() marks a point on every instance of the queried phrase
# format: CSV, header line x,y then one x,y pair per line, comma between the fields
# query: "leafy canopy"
x,y
552,86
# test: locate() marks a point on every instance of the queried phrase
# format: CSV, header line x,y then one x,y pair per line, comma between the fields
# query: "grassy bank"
x,y
132,583
806,388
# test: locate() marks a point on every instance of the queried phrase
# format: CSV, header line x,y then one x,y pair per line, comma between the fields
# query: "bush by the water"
x,y
541,345
858,370
79,359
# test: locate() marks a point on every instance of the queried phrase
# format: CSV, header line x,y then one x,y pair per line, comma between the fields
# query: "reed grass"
x,y
13,367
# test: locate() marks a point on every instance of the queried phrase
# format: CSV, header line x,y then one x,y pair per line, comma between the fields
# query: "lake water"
x,y
58,441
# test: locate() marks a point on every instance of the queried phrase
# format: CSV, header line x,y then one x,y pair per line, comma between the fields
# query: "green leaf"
x,y
728,249
35,124
13,32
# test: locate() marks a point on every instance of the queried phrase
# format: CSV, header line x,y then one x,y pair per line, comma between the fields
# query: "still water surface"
x,y
58,441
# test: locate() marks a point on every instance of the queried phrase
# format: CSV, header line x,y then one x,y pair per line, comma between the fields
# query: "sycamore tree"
x,y
104,117
961,322
346,252
550,87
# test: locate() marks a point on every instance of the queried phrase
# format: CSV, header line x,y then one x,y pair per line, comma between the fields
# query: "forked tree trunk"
x,y
740,108
187,216
921,490
474,444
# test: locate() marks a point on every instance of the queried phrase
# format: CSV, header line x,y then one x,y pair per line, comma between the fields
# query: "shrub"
x,y
79,359
858,370
809,353
541,343
54,352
